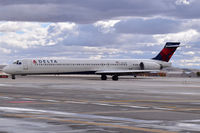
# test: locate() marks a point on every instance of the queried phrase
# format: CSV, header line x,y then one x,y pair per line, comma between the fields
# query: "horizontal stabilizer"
x,y
172,44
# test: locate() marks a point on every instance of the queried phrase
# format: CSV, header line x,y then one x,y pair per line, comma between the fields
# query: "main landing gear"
x,y
103,77
114,77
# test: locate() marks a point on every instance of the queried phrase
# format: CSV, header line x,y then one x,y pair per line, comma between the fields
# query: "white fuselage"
x,y
80,66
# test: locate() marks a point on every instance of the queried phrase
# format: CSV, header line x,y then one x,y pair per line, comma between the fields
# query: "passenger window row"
x,y
81,64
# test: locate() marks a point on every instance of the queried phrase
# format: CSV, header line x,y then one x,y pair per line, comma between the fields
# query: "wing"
x,y
124,72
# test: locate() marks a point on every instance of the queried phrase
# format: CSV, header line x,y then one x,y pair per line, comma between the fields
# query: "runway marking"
x,y
103,101
91,123
112,103
130,111
76,102
29,99
20,101
166,108
47,100
186,109
129,101
31,102
136,107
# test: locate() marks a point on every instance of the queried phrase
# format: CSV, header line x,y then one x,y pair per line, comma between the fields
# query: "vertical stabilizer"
x,y
167,51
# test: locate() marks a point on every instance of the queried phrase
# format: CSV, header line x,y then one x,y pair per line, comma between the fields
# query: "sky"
x,y
99,29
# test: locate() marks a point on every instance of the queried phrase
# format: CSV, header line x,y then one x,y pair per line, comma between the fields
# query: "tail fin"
x,y
167,51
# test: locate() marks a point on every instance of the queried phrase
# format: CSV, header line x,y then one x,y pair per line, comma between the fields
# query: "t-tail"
x,y
167,51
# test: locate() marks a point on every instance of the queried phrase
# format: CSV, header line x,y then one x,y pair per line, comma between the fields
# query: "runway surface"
x,y
85,104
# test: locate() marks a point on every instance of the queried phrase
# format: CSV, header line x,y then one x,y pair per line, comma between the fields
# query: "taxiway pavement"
x,y
85,104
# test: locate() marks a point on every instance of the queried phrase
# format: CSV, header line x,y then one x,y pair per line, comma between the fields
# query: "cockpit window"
x,y
17,62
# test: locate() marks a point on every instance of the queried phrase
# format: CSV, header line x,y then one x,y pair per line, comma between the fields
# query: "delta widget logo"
x,y
34,62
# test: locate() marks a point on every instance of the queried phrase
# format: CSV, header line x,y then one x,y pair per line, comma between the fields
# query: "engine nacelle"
x,y
150,66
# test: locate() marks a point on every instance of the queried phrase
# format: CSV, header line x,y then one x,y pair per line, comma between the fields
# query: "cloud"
x,y
191,53
184,37
182,2
101,50
90,11
5,51
66,40
137,52
106,26
148,26
57,32
26,35
195,61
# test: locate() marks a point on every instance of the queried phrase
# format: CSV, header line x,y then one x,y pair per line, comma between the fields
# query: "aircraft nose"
x,y
7,69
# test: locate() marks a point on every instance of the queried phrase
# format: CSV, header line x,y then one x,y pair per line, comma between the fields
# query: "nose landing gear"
x,y
13,77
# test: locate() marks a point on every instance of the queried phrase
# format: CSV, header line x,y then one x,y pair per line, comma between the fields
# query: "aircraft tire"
x,y
13,77
103,77
115,77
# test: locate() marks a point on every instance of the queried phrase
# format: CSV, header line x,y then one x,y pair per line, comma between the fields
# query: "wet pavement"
x,y
85,104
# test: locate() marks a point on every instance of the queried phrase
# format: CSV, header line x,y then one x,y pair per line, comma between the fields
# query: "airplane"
x,y
103,67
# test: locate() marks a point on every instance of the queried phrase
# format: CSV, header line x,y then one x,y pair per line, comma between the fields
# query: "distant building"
x,y
177,72
174,72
